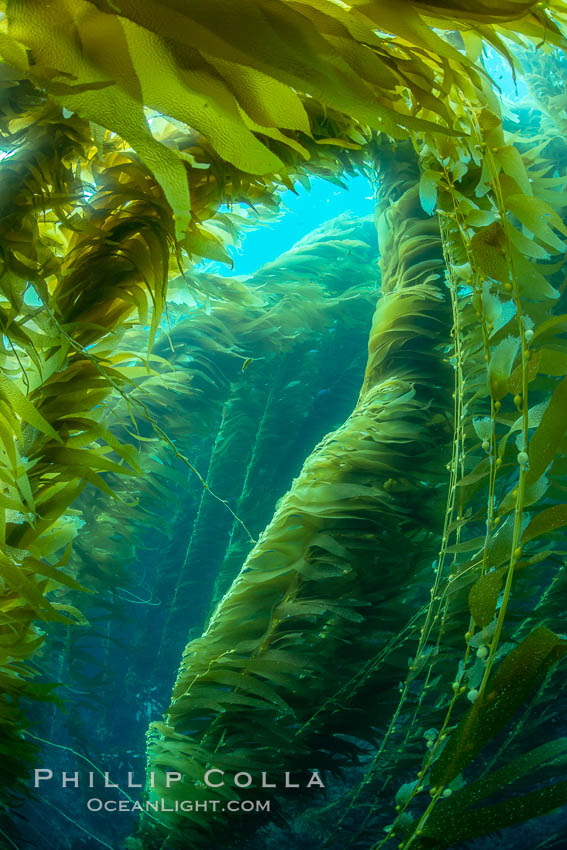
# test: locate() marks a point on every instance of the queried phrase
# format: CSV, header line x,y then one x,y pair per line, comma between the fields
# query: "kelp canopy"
x,y
130,131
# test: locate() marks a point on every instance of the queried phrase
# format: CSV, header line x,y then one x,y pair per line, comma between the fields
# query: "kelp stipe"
x,y
325,573
509,416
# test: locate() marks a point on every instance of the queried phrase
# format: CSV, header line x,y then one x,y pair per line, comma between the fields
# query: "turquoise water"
x,y
302,211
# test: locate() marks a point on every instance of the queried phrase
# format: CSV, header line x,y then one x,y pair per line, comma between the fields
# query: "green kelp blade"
x,y
515,679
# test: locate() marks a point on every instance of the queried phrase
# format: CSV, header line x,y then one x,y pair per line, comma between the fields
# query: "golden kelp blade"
x,y
219,66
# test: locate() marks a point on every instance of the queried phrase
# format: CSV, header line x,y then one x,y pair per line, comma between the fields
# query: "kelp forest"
x,y
307,522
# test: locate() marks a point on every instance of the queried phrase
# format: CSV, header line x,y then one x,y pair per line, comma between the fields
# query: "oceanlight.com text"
x,y
95,804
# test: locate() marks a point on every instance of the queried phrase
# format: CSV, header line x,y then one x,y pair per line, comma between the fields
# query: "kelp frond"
x,y
219,67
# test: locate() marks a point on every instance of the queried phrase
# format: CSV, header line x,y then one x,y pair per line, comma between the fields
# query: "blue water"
x,y
301,212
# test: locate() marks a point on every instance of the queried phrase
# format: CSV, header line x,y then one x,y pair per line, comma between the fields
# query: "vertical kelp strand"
x,y
421,826
433,239
221,580
297,587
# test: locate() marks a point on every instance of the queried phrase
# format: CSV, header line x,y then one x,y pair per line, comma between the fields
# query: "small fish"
x,y
247,363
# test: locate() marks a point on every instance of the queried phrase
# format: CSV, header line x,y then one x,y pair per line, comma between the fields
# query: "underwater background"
x,y
283,423
260,425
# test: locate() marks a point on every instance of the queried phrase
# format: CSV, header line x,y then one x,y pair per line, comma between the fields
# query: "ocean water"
x,y
302,211
258,396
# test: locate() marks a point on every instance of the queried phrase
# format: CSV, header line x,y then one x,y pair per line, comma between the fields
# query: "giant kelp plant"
x,y
130,130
